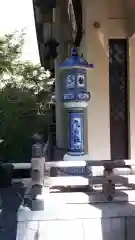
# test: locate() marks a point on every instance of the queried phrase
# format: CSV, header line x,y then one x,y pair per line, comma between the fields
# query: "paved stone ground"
x,y
11,199
110,219
60,221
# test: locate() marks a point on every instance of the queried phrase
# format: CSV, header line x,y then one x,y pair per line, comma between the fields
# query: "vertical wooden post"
x,y
37,166
88,170
46,179
108,185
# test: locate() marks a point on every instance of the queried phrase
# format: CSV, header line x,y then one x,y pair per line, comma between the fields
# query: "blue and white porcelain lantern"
x,y
73,72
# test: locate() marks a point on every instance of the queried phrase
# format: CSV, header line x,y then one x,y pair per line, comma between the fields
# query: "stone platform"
x,y
68,215
63,219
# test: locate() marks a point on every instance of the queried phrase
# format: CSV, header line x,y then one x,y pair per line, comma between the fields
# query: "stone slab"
x,y
61,211
81,180
84,181
27,230
67,230
92,197
105,229
130,222
81,198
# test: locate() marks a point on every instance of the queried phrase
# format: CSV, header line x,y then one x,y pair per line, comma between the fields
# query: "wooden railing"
x,y
109,176
108,179
104,163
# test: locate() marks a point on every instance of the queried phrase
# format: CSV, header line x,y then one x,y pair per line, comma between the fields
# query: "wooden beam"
x,y
73,181
58,164
66,164
21,165
96,197
85,181
114,164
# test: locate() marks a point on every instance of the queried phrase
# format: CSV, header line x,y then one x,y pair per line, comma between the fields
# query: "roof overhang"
x,y
43,12
75,18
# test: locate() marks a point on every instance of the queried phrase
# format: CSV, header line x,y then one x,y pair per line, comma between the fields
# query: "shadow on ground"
x,y
11,198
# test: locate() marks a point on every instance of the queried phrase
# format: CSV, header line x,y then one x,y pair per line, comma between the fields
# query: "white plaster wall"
x,y
117,9
131,32
95,49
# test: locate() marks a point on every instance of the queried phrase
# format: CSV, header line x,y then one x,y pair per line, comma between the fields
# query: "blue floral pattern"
x,y
76,132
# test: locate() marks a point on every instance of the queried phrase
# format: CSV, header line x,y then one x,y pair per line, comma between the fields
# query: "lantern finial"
x,y
74,52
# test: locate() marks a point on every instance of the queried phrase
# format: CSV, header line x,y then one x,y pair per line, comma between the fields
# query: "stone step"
x,y
81,198
93,197
64,209
127,180
84,181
